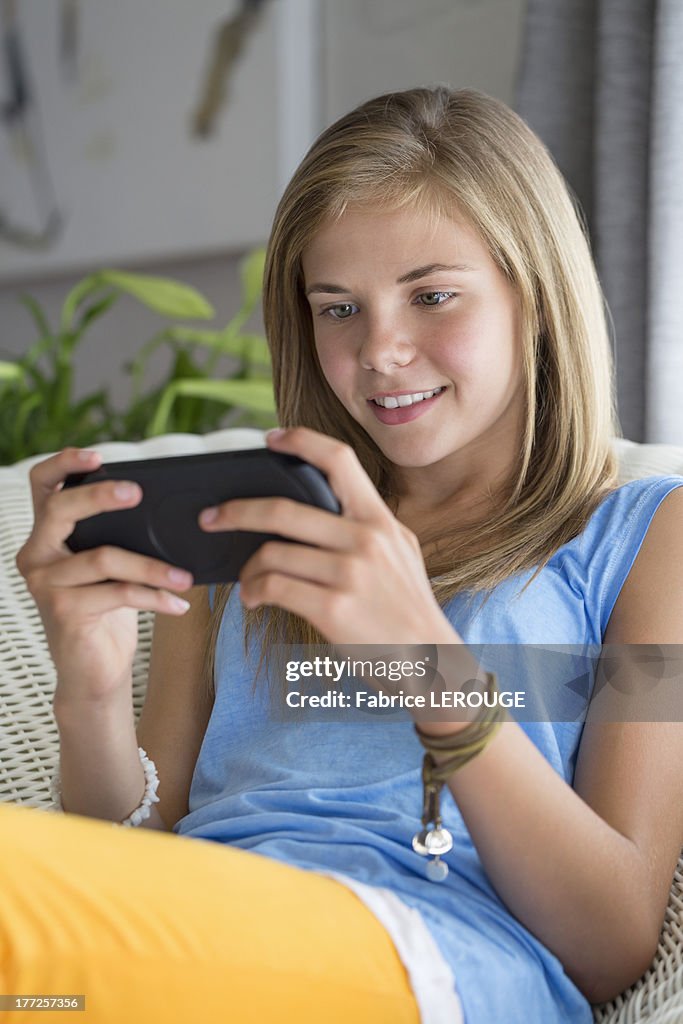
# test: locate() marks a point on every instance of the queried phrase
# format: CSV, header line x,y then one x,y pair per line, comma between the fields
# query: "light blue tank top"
x,y
346,796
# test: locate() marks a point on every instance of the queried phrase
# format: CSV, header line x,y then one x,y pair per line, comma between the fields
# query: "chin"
x,y
412,459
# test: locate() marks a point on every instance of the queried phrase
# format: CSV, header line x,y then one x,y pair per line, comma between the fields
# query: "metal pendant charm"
x,y
433,842
437,870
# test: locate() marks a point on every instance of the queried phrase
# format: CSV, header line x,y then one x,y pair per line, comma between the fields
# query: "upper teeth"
x,y
392,403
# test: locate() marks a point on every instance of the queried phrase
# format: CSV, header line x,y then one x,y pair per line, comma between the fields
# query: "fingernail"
x,y
179,576
86,456
275,433
126,491
209,515
178,604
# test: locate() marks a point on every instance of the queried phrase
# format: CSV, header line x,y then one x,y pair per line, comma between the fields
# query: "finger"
x,y
338,461
101,598
111,563
46,476
297,562
309,600
64,509
287,518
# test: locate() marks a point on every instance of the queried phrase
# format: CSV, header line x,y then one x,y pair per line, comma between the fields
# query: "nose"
x,y
385,345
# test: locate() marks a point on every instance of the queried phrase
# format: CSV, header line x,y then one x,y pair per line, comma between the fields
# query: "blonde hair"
x,y
448,151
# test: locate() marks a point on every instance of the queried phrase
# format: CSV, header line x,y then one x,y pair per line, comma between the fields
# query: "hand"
x,y
364,581
88,601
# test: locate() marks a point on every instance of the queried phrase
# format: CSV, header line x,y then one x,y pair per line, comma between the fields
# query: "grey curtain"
x,y
601,81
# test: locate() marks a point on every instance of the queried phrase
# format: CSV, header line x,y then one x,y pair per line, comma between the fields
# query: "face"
x,y
417,333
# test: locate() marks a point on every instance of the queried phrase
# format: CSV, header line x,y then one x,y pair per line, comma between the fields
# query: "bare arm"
x,y
101,772
177,706
588,871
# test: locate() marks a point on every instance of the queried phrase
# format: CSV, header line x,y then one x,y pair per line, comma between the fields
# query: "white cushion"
x,y
641,460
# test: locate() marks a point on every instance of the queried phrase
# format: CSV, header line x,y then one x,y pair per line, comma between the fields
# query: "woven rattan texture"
x,y
29,742
28,735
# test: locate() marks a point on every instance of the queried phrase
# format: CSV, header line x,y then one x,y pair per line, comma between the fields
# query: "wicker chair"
x,y
28,735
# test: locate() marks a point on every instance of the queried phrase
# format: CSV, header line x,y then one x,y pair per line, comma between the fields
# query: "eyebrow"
x,y
412,275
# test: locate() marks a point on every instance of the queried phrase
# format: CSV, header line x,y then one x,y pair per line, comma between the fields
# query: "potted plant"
x,y
38,410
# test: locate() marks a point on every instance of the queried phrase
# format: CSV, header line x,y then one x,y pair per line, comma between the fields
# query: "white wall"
x,y
375,47
366,48
130,176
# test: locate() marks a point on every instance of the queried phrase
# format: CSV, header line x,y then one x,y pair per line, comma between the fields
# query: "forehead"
x,y
394,236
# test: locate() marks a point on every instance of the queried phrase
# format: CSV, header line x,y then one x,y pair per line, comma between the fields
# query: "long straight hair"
x,y
456,152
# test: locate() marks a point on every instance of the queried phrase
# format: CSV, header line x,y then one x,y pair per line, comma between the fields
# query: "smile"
x,y
394,401
394,409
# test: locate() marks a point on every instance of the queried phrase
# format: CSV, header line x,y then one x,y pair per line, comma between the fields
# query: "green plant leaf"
x,y
11,371
36,350
249,394
187,410
137,367
36,380
96,401
161,294
95,311
133,423
256,349
195,336
19,427
36,311
38,411
251,274
184,366
61,398
256,395
227,342
76,296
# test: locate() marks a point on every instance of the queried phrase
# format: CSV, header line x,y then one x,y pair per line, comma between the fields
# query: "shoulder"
x,y
649,606
596,563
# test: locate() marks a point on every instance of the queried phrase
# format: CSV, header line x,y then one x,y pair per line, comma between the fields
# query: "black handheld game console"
x,y
164,524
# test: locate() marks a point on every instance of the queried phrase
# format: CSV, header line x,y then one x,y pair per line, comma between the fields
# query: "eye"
x,y
434,298
342,311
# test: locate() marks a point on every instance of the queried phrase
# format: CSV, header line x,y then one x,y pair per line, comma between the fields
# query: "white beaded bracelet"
x,y
149,797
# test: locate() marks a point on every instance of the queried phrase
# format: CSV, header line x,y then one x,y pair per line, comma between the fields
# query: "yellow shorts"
x,y
151,926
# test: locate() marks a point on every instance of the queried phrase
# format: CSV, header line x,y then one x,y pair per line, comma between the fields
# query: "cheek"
x,y
482,348
334,364
457,348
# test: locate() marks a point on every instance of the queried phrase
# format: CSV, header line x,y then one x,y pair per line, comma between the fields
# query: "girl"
x,y
440,352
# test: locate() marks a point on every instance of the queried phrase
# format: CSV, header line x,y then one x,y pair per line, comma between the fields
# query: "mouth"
x,y
403,408
405,398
